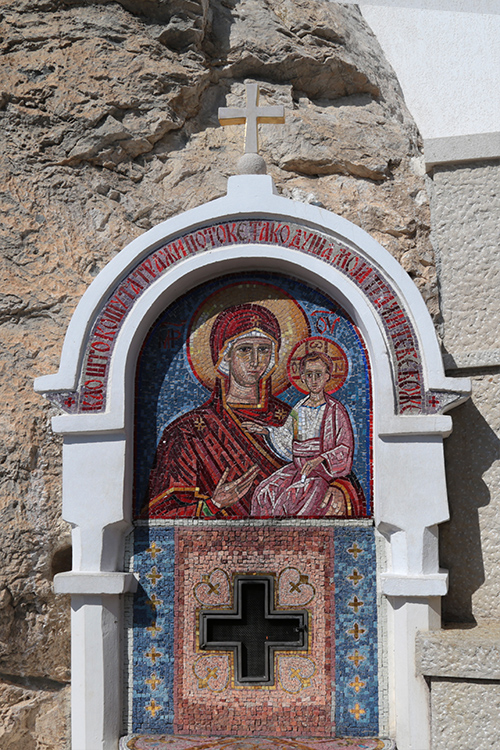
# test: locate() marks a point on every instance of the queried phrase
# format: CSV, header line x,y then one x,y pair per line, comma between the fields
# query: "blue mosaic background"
x,y
166,387
153,631
356,652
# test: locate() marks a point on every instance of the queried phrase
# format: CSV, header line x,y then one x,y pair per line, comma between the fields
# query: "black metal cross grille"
x,y
253,630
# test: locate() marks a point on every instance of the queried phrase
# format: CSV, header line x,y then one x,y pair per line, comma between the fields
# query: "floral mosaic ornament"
x,y
213,672
294,588
214,589
164,742
295,673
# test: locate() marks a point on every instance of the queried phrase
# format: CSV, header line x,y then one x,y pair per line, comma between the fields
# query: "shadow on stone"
x,y
469,452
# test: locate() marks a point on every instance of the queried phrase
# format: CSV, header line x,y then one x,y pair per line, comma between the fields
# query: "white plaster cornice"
x,y
461,148
485,7
100,583
471,360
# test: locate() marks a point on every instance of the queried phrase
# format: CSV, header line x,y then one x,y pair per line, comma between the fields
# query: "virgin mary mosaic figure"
x,y
207,465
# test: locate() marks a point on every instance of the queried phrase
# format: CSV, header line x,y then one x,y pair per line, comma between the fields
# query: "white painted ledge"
x,y
462,652
458,6
406,586
425,424
92,584
469,360
461,148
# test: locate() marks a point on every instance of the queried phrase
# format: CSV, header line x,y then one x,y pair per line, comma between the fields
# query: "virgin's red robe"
x,y
196,449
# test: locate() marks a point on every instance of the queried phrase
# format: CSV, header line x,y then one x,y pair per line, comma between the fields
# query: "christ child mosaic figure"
x,y
317,438
206,463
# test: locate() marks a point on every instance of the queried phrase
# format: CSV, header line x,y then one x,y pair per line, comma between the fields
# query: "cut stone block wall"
x,y
461,663
465,209
461,717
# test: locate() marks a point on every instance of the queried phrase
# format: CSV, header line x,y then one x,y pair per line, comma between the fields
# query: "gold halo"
x,y
314,344
289,314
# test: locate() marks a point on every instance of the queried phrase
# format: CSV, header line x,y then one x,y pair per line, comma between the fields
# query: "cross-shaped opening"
x,y
253,630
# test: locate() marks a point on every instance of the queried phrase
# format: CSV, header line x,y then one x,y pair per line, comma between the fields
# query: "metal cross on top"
x,y
251,116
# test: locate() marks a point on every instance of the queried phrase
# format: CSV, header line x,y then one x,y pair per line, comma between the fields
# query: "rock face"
x,y
109,126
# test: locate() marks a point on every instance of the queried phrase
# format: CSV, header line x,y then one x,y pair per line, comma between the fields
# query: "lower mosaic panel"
x,y
180,686
164,742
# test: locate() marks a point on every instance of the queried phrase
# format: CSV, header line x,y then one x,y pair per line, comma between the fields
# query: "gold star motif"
x,y
153,550
357,684
355,577
356,631
357,658
357,711
153,654
154,629
280,413
355,550
356,603
203,681
153,681
153,575
153,707
199,423
154,602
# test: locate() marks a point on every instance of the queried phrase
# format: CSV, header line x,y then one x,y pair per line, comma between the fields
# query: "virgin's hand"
x,y
254,427
310,465
228,493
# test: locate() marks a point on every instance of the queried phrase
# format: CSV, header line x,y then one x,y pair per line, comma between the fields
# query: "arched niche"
x,y
251,229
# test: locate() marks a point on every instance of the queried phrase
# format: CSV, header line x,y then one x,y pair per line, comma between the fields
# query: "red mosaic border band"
x,y
410,392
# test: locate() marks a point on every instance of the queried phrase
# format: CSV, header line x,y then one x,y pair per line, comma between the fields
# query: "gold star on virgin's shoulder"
x,y
199,423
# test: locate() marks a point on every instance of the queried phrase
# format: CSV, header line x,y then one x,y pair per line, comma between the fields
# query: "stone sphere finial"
x,y
251,164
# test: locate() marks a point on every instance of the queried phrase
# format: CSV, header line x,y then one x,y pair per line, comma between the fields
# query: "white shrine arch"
x,y
409,424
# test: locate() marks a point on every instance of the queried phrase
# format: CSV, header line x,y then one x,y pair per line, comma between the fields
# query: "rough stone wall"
x,y
109,126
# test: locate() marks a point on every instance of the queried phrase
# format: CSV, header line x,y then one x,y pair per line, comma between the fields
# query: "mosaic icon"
x,y
241,395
